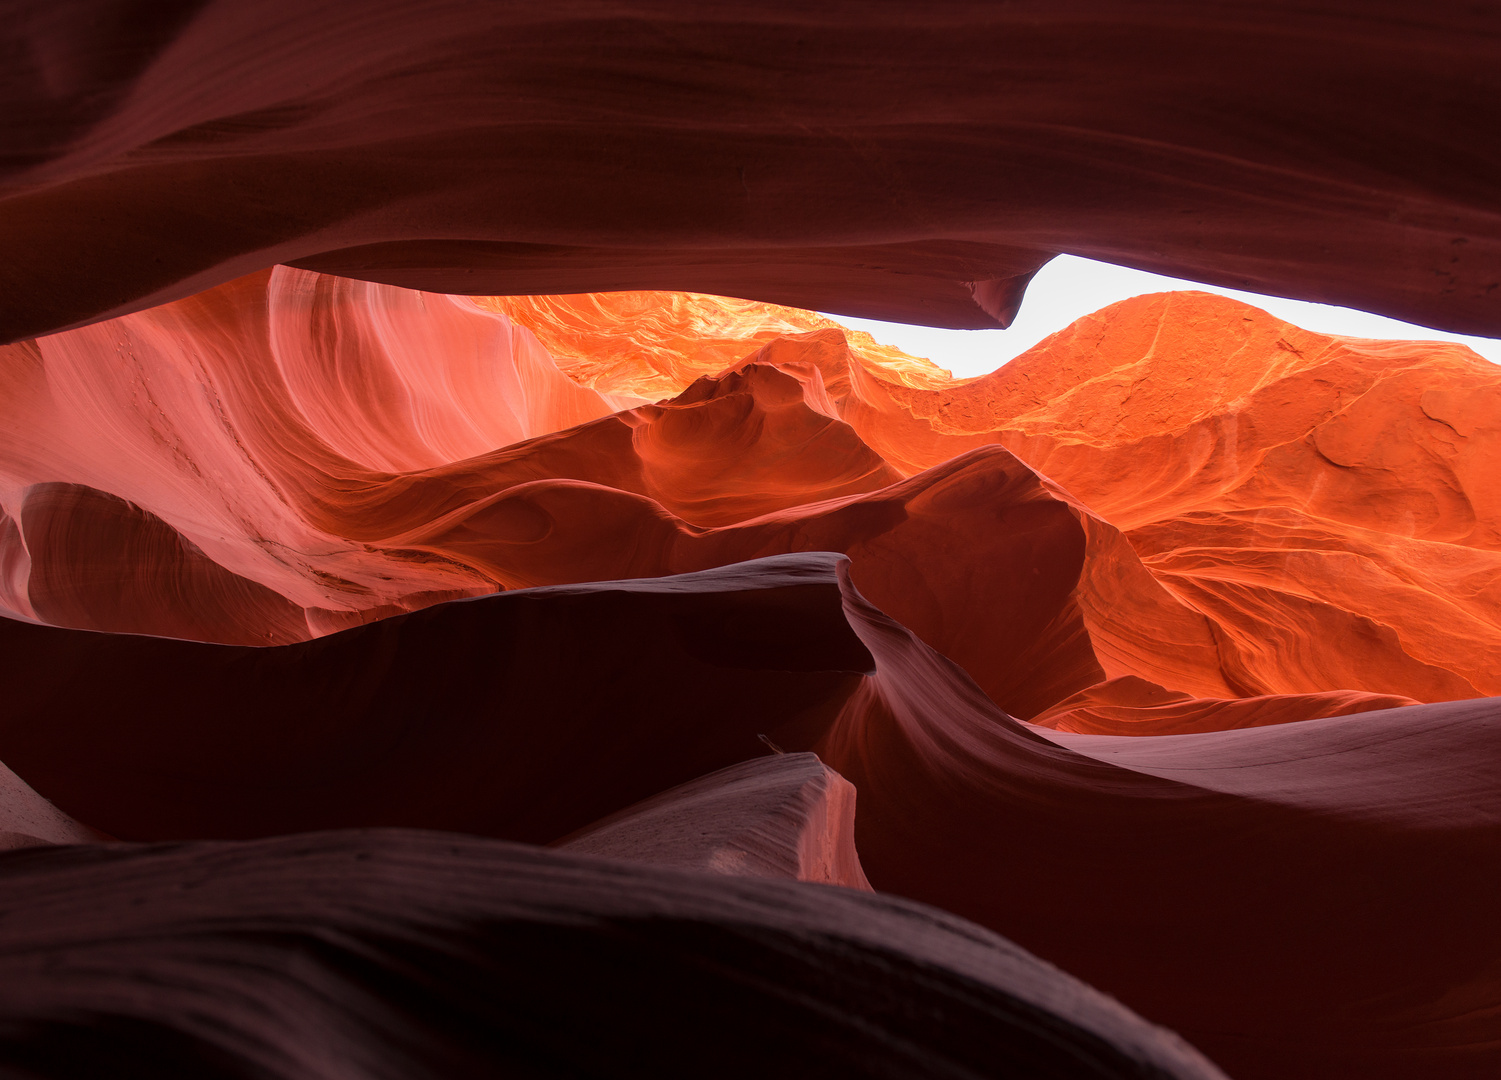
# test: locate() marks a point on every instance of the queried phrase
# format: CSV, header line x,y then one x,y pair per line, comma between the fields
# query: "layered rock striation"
x,y
572,682
1162,651
1231,874
1178,514
384,953
914,162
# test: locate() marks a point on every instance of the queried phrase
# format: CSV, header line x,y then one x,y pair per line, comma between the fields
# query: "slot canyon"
x,y
465,612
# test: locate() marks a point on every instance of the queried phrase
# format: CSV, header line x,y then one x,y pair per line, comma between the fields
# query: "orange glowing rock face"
x,y
1178,517
1179,514
1262,510
653,344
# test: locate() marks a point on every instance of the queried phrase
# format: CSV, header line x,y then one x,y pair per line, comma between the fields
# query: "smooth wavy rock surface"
x,y
1164,651
481,716
786,816
1180,507
28,820
903,161
266,523
1327,884
1248,491
389,953
1298,900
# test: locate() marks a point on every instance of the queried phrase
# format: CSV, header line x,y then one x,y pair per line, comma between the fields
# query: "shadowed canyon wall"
x,y
1177,517
899,161
417,660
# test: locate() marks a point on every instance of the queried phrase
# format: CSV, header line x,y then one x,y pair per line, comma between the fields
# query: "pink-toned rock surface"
x,y
1093,512
28,820
252,515
98,562
784,816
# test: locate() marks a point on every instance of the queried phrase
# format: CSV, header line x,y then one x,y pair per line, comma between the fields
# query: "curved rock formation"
x,y
787,816
899,161
1128,705
1179,518
1092,512
249,540
1202,428
377,954
96,562
1287,876
1301,900
485,716
28,820
1290,486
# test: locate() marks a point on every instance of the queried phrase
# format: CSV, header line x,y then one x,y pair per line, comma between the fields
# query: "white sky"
x,y
1070,287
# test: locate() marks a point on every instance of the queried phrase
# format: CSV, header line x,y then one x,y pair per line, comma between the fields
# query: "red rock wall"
x,y
1148,509
1326,884
1178,517
894,160
252,516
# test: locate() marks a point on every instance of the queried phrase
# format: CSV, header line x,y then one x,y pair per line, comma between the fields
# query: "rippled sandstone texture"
x,y
379,954
1178,514
296,495
895,160
1268,844
567,570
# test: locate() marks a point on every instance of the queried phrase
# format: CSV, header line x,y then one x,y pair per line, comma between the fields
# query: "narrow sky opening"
x,y
1070,287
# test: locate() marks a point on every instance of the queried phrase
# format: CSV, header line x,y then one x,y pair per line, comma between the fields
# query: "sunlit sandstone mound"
x,y
1285,485
1175,508
654,344
334,556
1156,412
